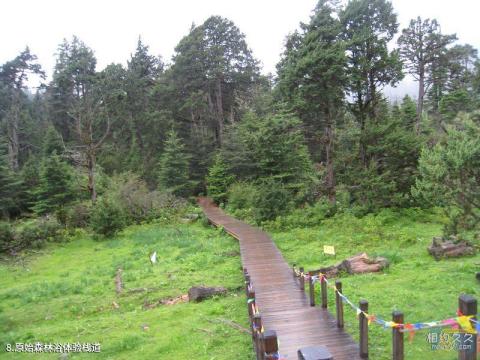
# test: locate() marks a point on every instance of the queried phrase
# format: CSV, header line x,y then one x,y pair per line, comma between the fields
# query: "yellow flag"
x,y
464,322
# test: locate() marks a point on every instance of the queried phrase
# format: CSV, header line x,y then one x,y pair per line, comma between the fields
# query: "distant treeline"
x,y
209,121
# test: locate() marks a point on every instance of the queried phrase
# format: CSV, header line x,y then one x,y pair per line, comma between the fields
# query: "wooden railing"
x,y
467,306
265,342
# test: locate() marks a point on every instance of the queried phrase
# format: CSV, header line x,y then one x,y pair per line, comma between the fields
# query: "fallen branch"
x,y
230,323
118,281
209,332
139,290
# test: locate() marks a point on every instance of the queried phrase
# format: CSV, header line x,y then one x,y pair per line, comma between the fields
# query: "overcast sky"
x,y
111,27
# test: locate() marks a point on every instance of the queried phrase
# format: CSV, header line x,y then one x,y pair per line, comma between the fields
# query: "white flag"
x,y
153,257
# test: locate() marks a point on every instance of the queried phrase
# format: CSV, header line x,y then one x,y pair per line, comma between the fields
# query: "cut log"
x,y
199,293
452,247
356,264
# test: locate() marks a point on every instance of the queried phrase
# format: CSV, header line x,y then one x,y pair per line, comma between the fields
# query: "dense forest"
x,y
126,144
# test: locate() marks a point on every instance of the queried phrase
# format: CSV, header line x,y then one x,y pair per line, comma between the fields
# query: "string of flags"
x,y
460,321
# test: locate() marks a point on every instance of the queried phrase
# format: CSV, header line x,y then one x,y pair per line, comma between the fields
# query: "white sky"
x,y
111,27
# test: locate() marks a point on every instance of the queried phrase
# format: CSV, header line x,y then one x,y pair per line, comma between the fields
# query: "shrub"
x,y
6,236
36,233
139,204
273,199
242,195
308,216
78,215
107,218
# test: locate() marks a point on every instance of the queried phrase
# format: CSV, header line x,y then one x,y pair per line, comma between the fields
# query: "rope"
x,y
461,320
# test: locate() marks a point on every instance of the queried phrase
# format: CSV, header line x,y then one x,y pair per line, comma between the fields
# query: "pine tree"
x,y
10,189
408,111
449,174
55,185
174,166
219,180
52,142
312,80
369,25
420,45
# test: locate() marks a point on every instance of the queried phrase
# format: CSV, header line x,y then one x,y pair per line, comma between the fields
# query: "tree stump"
x,y
357,264
452,247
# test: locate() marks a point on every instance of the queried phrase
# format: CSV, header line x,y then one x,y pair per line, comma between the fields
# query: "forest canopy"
x,y
209,122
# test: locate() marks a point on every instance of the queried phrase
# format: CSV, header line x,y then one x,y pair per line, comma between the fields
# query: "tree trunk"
x,y
219,103
421,95
13,141
91,175
330,178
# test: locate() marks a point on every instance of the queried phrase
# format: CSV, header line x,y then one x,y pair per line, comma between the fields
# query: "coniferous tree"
x,y
420,45
369,25
14,75
449,173
173,166
52,143
219,180
10,189
408,112
54,189
214,71
312,80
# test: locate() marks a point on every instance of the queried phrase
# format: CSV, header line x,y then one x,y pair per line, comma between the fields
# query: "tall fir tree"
x,y
219,180
10,189
312,80
420,44
54,189
369,25
173,172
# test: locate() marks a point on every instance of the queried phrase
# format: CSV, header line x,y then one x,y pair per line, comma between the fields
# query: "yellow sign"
x,y
328,250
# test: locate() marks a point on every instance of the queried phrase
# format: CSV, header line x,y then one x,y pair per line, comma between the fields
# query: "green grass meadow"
x,y
65,294
422,288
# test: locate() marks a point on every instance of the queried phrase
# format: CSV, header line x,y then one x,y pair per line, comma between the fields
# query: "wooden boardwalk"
x,y
283,306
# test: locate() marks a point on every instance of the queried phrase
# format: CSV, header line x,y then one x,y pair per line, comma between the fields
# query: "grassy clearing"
x,y
65,293
415,283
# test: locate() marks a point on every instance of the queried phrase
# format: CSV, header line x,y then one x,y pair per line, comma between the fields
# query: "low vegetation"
x,y
66,293
415,283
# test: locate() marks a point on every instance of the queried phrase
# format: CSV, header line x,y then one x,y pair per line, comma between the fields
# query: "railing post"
x,y
247,283
468,306
363,325
302,280
257,336
293,271
311,289
339,303
251,302
270,344
397,337
323,286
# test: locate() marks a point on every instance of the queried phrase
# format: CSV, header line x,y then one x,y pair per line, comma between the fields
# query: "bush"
x,y
272,199
242,195
78,215
36,233
139,204
107,218
308,216
6,236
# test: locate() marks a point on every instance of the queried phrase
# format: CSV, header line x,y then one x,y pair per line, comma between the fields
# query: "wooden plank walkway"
x,y
283,306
